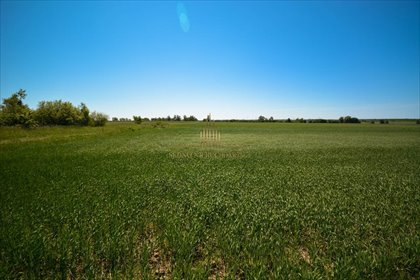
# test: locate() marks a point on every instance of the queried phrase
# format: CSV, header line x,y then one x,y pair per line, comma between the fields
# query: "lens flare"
x,y
183,17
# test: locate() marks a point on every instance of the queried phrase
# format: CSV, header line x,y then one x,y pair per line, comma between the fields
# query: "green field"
x,y
268,201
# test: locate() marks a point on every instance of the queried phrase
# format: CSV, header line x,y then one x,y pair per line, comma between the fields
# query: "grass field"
x,y
269,201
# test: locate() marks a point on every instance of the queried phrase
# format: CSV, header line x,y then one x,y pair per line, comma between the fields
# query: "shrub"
x,y
98,119
137,119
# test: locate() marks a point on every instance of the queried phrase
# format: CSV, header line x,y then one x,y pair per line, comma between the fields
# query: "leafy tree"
x,y
190,118
98,119
288,120
84,115
61,113
271,119
137,119
114,119
261,119
13,111
348,119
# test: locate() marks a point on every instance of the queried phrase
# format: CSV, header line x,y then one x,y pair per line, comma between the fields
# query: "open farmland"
x,y
268,201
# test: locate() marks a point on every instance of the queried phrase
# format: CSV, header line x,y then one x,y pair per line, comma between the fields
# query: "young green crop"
x,y
271,200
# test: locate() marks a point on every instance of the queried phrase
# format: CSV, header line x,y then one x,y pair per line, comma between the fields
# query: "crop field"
x,y
265,201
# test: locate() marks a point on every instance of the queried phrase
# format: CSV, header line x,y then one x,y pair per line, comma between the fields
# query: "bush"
x,y
58,112
137,119
98,119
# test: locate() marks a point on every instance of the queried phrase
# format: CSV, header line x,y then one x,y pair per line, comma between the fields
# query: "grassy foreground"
x,y
269,201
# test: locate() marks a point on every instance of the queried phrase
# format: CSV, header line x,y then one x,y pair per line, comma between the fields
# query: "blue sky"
x,y
233,59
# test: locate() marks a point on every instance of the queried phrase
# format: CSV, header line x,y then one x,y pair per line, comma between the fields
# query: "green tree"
x,y
14,112
262,119
98,119
137,119
58,112
84,115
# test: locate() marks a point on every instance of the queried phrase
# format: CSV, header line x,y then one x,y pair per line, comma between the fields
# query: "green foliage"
x,y
348,119
61,113
262,119
137,119
98,119
14,112
84,118
190,118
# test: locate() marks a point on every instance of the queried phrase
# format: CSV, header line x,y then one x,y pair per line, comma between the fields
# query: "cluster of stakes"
x,y
209,135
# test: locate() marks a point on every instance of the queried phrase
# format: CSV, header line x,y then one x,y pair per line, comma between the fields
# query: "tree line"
x,y
14,112
139,119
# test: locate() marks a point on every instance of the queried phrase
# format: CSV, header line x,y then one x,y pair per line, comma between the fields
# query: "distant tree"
x,y
262,119
168,118
176,118
146,119
137,119
14,112
288,120
98,119
348,119
418,122
114,119
190,118
271,119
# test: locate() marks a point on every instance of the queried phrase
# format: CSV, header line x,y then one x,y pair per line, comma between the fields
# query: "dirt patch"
x,y
217,269
160,264
304,254
160,260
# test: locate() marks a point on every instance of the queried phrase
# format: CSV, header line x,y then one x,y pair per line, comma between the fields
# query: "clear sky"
x,y
316,59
